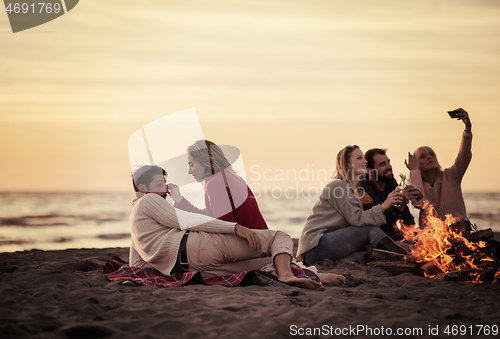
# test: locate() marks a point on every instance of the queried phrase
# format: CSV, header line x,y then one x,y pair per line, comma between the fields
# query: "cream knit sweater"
x,y
337,207
157,229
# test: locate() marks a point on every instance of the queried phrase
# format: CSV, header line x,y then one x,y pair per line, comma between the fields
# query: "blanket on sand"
x,y
121,272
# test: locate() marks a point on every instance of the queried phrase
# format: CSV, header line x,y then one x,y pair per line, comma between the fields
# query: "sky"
x,y
288,82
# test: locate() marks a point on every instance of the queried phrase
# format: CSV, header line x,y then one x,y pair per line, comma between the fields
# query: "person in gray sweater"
x,y
338,226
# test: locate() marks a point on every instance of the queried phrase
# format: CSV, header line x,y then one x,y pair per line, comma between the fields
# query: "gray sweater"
x,y
337,207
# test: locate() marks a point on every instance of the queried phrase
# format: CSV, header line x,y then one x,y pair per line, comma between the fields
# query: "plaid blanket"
x,y
121,272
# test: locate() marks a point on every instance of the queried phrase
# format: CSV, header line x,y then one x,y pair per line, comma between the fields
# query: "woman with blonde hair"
x,y
227,196
338,226
441,188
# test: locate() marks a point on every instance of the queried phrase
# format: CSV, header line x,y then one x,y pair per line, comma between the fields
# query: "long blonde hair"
x,y
342,170
211,157
438,174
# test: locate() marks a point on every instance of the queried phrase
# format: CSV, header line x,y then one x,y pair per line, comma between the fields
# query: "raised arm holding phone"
x,y
442,188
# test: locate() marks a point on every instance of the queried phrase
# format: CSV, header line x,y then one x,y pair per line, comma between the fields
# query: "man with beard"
x,y
379,182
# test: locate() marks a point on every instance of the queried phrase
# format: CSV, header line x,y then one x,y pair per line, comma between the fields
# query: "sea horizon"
x,y
100,219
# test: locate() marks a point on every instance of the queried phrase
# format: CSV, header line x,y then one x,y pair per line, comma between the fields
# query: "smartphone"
x,y
453,114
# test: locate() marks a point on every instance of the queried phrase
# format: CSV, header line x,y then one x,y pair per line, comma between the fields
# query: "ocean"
x,y
56,221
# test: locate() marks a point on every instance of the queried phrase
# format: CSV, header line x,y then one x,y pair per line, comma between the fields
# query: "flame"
x,y
439,245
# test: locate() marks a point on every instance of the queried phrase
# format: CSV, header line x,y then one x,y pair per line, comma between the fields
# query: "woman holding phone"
x,y
442,188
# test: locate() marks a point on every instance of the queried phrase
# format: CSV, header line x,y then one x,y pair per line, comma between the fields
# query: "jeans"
x,y
341,243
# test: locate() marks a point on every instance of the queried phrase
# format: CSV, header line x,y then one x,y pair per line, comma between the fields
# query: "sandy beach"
x,y
64,294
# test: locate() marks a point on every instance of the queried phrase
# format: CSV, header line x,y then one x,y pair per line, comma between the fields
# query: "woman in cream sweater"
x,y
337,225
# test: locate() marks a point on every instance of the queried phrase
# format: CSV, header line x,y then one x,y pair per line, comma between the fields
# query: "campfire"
x,y
453,249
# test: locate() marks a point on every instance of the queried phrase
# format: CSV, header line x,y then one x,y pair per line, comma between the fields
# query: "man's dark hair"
x,y
370,154
144,175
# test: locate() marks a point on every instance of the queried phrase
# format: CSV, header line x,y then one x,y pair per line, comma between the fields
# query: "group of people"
x,y
355,213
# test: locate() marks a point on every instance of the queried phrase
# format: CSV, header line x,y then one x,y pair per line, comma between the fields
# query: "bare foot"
x,y
304,283
331,278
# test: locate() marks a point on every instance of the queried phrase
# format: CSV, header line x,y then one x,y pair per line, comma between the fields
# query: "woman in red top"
x,y
227,196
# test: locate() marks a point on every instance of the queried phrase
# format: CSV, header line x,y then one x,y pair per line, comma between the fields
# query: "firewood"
x,y
481,235
488,275
430,268
388,255
462,226
463,275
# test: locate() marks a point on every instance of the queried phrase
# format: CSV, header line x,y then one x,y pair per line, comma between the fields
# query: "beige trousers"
x,y
215,254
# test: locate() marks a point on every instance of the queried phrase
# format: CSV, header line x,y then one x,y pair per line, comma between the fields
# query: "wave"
x,y
13,242
485,216
114,236
59,220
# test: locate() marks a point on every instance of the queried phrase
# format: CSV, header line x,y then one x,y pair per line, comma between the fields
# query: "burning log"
x,y
429,269
488,276
470,231
481,235
462,275
493,247
474,275
462,226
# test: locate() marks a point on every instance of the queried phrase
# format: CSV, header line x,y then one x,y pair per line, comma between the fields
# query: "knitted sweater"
x,y
446,195
337,207
157,229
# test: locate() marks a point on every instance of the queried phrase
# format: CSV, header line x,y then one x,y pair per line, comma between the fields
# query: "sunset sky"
x,y
288,82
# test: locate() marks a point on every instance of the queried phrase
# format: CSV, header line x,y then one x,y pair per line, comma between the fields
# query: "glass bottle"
x,y
400,187
419,194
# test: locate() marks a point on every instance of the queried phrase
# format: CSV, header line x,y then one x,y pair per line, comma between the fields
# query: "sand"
x,y
63,294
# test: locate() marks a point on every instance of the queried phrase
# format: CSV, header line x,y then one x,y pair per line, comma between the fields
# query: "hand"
x,y
250,236
174,192
464,116
410,192
412,163
395,197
